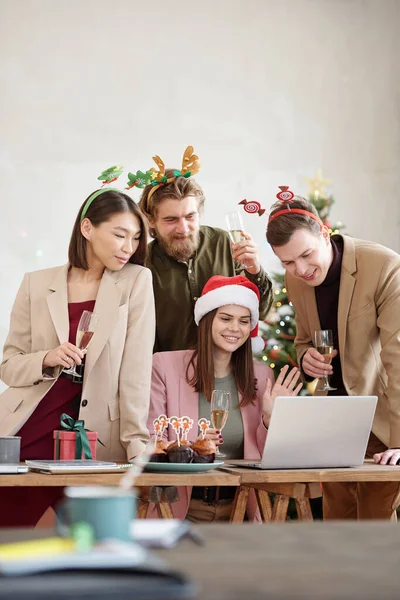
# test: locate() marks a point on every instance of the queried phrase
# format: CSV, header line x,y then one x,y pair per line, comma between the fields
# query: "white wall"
x,y
267,91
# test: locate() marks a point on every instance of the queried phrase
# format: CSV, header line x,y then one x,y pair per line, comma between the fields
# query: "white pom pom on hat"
x,y
220,291
257,342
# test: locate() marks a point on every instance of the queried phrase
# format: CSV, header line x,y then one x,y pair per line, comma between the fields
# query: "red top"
x,y
64,397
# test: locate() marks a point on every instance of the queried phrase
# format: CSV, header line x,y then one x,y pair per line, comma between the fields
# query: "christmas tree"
x,y
279,329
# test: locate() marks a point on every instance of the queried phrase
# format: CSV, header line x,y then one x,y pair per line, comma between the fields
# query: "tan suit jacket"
x,y
116,386
368,327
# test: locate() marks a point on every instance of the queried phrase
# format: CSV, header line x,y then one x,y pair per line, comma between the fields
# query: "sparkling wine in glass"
x,y
86,326
235,227
323,341
220,403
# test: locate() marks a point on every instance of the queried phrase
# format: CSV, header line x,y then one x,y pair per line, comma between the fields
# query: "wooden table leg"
x,y
279,511
164,510
303,509
143,509
240,504
264,504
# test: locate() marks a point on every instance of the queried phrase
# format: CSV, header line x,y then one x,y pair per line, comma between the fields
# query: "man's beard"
x,y
179,247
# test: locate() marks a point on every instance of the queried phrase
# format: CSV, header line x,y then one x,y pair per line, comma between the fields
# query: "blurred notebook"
x,y
12,468
53,467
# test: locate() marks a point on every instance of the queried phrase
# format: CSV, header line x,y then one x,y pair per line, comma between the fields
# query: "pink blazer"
x,y
172,395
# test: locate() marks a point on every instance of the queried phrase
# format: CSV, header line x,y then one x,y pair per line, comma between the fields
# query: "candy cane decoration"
x,y
204,424
157,430
176,424
163,422
187,424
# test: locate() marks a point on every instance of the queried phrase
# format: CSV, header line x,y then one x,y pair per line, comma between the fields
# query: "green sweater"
x,y
177,286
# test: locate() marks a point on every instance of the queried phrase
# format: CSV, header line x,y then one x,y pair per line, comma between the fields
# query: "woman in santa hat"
x,y
183,382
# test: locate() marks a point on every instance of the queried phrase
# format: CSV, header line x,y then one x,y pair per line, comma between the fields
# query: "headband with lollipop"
x,y
286,197
252,207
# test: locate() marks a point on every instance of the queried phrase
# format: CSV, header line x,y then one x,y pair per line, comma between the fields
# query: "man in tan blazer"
x,y
353,288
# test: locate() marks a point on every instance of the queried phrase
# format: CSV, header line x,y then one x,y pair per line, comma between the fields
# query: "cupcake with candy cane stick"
x,y
204,449
179,452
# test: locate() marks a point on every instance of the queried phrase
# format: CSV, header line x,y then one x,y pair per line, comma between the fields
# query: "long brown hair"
x,y
281,229
101,210
202,364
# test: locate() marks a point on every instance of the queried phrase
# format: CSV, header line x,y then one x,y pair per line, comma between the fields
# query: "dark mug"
x,y
10,449
108,510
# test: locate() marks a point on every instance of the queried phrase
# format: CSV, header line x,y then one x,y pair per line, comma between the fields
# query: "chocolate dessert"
x,y
159,456
179,454
174,444
204,451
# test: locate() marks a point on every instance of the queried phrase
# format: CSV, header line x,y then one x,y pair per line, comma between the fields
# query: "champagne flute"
x,y
84,333
220,402
323,341
235,228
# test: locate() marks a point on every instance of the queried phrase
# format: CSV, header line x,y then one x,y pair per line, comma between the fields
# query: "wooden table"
x,y
300,484
209,478
145,482
301,561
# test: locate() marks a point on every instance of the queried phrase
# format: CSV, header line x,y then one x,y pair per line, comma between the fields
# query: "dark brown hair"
x,y
177,189
101,210
281,229
202,364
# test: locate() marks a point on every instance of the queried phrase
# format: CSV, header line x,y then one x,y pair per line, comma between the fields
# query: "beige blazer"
x,y
368,327
116,386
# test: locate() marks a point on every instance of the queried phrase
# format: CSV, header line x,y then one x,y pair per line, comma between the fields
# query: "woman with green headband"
x,y
105,276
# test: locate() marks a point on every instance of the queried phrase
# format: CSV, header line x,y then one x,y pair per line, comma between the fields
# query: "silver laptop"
x,y
12,468
309,432
75,466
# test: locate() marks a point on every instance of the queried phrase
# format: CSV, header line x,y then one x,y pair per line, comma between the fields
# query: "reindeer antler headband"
x,y
190,166
286,197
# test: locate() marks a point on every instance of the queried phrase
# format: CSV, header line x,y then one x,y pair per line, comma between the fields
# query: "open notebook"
x,y
75,466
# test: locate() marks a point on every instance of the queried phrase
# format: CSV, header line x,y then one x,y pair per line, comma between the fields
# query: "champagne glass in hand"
x,y
323,341
235,228
220,403
86,326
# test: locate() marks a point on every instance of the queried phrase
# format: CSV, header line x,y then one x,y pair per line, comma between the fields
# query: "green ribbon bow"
x,y
161,181
82,442
179,174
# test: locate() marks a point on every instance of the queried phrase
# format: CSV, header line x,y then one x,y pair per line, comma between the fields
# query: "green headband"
x,y
94,196
139,179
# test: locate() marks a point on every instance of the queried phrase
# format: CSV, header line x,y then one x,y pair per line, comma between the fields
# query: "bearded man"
x,y
184,255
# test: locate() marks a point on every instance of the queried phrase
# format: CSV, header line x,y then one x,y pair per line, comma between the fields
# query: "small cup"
x,y
10,449
108,510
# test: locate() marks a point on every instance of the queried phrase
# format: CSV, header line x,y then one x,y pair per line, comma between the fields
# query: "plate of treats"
x,y
181,455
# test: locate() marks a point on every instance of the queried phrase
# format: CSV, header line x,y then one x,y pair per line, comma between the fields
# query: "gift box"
x,y
65,445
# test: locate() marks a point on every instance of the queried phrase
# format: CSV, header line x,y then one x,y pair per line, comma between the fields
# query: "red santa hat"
x,y
220,291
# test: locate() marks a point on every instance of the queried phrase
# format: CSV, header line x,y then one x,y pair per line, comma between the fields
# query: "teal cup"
x,y
108,510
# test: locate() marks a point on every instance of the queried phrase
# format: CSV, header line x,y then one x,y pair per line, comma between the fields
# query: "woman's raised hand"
x,y
64,356
285,385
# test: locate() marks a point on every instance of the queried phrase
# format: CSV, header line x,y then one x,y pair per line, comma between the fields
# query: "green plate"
x,y
182,467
